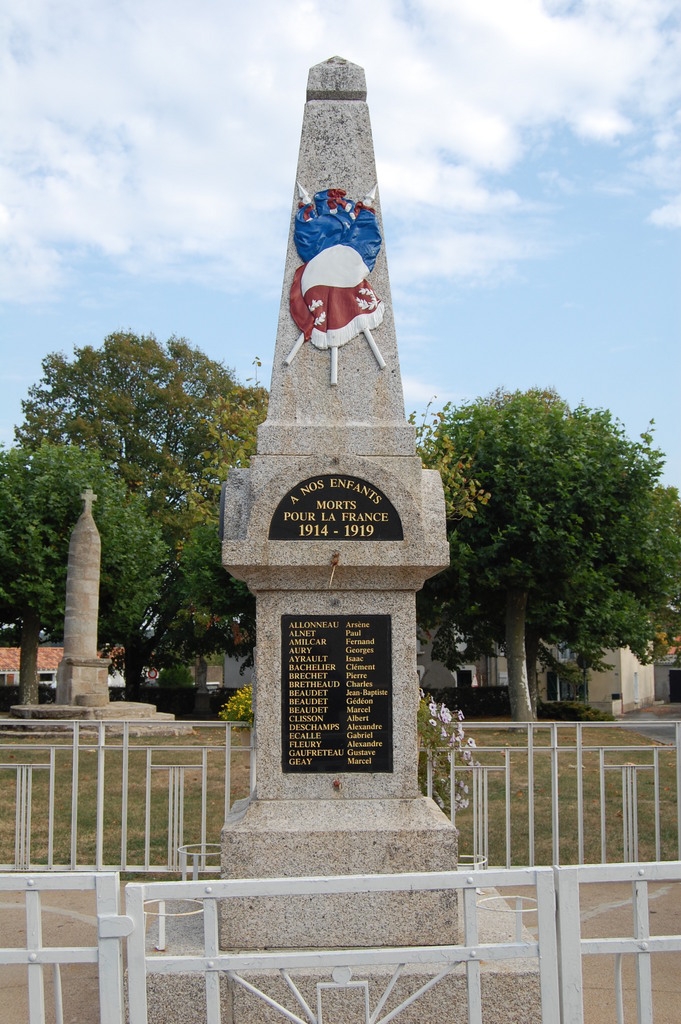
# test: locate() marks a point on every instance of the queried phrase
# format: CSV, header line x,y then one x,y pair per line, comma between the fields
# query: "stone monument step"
x,y
121,710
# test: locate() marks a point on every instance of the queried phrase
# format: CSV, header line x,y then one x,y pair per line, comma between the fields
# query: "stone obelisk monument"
x,y
335,527
82,676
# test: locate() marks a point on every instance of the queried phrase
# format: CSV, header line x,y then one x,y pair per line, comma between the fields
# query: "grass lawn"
x,y
615,764
173,782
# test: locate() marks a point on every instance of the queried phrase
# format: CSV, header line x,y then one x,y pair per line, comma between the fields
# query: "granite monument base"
x,y
83,681
299,838
510,989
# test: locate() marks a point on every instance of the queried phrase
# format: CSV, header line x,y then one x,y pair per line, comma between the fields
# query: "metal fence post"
x,y
111,929
548,946
568,927
137,973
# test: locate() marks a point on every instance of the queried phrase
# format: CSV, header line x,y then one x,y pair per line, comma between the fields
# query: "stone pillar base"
x,y
510,992
83,681
91,700
120,710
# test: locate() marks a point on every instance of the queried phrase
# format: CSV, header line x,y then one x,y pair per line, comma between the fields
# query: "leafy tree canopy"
x,y
168,422
213,615
148,409
578,544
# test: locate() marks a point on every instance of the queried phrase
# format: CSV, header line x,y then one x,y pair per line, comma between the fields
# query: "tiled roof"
x,y
48,658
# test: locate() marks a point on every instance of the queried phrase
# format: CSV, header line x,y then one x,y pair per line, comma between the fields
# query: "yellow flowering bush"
x,y
239,707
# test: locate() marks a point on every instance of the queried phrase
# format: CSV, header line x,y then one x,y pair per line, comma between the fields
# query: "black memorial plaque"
x,y
335,507
336,708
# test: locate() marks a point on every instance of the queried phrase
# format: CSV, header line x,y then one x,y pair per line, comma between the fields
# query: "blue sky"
x,y
529,162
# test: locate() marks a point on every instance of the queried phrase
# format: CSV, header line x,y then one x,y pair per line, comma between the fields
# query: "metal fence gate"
x,y
43,960
546,927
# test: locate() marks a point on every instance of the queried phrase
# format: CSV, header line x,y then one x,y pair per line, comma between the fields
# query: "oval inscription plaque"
x,y
335,507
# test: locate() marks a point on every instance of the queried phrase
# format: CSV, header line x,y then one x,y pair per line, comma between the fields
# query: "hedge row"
x,y
177,701
493,702
475,701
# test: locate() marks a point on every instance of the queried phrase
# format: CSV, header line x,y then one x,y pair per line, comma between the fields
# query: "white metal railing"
x,y
637,943
114,796
550,936
394,986
564,793
549,909
98,796
42,957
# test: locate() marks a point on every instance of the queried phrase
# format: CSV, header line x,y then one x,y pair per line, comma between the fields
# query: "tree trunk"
x,y
518,691
532,653
136,657
202,697
28,665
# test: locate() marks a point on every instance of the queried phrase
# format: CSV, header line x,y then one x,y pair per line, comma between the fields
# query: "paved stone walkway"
x,y
656,723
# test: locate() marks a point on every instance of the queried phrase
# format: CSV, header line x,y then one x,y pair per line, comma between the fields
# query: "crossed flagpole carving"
x,y
334,353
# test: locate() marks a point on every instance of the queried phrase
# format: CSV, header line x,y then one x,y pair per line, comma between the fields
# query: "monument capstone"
x,y
334,527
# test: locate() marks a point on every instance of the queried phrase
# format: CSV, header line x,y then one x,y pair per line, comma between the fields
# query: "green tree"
x,y
146,407
463,493
216,613
576,544
39,506
168,421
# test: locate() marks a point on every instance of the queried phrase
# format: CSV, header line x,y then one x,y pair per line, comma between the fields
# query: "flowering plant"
x,y
442,739
239,707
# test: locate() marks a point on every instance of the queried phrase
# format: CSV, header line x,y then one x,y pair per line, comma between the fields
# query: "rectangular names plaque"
x,y
336,713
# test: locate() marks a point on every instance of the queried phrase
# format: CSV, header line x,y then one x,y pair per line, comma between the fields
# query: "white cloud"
x,y
434,251
419,393
556,183
163,137
424,182
669,215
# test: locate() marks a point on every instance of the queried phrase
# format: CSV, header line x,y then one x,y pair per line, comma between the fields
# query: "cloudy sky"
x,y
529,161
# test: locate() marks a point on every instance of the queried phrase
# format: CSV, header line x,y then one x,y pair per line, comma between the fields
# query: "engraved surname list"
x,y
336,694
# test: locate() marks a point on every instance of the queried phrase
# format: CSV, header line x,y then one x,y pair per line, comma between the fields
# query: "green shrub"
x,y
572,711
175,676
238,708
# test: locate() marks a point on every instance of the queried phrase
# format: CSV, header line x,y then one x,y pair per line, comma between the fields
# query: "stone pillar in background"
x,y
82,677
335,527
